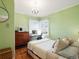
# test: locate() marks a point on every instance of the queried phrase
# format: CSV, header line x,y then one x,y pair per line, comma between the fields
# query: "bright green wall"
x,y
7,28
21,20
65,23
3,12
62,24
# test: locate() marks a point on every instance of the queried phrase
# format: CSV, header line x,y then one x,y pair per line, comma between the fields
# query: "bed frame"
x,y
30,52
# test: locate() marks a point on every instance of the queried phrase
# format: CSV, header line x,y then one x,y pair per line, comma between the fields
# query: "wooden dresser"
x,y
21,38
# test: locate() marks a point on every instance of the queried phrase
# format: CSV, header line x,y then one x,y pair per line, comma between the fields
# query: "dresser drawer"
x,y
21,38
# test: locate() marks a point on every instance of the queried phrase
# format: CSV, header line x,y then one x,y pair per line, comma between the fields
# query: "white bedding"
x,y
43,48
40,47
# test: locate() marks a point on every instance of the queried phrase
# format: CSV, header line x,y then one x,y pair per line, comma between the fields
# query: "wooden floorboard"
x,y
21,53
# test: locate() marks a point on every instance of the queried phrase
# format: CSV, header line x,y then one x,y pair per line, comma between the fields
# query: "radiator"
x,y
6,53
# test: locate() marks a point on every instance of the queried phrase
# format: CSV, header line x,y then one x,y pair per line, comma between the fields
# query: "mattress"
x,y
42,48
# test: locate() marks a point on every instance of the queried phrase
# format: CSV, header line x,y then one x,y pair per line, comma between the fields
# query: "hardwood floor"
x,y
21,53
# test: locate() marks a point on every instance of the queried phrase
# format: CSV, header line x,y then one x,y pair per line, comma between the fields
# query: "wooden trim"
x,y
6,53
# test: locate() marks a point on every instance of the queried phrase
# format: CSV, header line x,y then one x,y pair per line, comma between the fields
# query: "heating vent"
x,y
6,53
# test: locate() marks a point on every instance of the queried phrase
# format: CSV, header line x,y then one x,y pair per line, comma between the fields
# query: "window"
x,y
39,26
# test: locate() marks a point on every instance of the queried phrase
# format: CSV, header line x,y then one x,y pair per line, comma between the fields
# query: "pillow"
x,y
60,45
68,41
53,44
71,41
69,52
75,44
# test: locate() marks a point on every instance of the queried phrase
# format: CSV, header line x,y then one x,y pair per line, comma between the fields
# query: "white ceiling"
x,y
46,7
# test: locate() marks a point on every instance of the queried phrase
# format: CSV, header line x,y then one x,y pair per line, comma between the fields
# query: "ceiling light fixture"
x,y
35,9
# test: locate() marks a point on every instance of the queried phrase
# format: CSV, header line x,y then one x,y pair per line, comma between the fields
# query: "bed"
x,y
42,49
